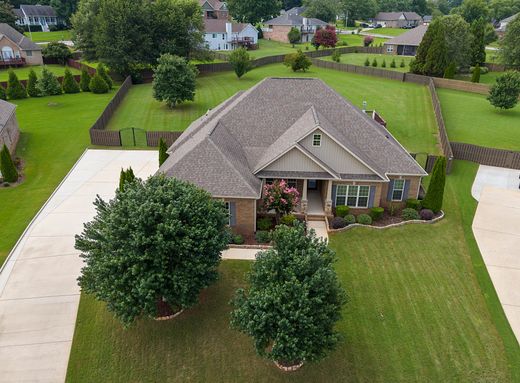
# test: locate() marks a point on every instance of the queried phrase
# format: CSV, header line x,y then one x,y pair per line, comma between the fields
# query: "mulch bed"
x,y
387,219
20,165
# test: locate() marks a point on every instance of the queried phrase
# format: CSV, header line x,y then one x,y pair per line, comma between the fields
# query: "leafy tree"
x,y
103,72
475,76
125,177
435,194
431,58
153,248
70,84
315,43
240,61
97,85
297,61
3,95
288,4
9,172
15,89
458,40
48,85
294,36
510,44
84,82
353,10
57,51
336,56
7,14
299,272
478,43
394,5
163,151
506,90
500,9
422,7
326,37
367,41
473,10
84,23
280,197
450,71
64,8
325,10
32,84
254,11
174,80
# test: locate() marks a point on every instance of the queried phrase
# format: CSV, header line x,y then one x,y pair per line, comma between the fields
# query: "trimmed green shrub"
x,y
103,72
238,239
336,56
70,85
450,71
240,61
392,64
483,69
264,224
377,213
383,64
435,194
409,214
413,203
342,211
84,82
297,61
57,51
374,62
367,62
402,65
3,95
124,177
98,85
48,85
163,155
9,172
364,219
15,89
32,84
350,219
338,223
262,236
288,220
426,214
475,77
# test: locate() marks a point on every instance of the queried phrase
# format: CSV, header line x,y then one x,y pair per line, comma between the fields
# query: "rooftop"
x,y
411,37
16,37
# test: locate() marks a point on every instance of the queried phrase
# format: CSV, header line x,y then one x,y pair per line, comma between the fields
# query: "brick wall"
x,y
245,216
413,192
278,33
10,134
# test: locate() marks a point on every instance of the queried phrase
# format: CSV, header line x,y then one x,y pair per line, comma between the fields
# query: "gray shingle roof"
x,y
6,111
411,37
16,37
294,20
391,16
510,18
38,10
219,26
221,151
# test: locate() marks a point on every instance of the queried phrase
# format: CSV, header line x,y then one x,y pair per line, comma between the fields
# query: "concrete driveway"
x,y
39,295
501,178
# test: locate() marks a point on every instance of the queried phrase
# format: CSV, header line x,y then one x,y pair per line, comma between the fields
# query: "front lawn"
x,y
472,119
47,37
416,313
360,58
406,107
23,72
54,134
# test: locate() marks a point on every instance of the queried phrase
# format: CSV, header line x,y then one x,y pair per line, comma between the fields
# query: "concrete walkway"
x,y
320,227
39,295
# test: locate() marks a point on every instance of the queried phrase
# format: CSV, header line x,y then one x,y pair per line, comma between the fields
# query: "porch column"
x,y
304,201
328,199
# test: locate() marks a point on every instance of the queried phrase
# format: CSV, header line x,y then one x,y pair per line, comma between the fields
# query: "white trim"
x,y
357,196
401,190
316,137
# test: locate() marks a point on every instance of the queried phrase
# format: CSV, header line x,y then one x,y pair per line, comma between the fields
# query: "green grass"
x,y
389,31
23,73
416,313
47,37
357,40
470,118
359,59
489,78
395,101
54,134
493,56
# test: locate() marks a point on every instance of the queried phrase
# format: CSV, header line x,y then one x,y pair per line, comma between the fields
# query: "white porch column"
x,y
328,199
304,201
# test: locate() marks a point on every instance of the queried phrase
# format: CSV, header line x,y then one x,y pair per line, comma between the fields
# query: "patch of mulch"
x,y
388,219
20,165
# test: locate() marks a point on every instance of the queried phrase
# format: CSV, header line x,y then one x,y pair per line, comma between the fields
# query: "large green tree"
x,y
254,11
294,299
325,10
510,44
478,43
153,248
500,9
84,23
506,90
353,10
174,80
458,40
472,10
7,15
432,54
64,8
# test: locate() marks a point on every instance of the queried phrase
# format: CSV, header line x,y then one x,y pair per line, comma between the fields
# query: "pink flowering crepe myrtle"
x,y
280,197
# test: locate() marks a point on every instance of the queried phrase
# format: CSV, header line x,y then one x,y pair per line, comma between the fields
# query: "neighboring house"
x,y
299,130
214,9
294,11
223,35
277,29
502,24
9,132
427,20
398,19
407,43
37,16
16,49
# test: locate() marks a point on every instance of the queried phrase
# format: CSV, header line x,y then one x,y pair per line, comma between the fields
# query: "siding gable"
x,y
294,160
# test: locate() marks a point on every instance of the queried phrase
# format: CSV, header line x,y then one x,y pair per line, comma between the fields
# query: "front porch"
x,y
316,197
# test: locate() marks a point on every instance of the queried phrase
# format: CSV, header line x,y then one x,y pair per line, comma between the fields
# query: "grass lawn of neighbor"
x,y
54,134
389,31
489,78
47,37
357,40
416,313
23,72
394,100
359,59
470,118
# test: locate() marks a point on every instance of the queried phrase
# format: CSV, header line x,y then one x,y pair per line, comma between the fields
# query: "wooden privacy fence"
x,y
80,66
152,138
486,156
363,70
443,134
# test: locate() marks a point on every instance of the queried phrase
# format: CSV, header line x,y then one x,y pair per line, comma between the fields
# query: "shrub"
x,y
280,197
297,61
98,85
367,62
240,61
409,214
48,85
374,62
84,82
483,69
413,203
174,80
475,77
238,239
288,220
402,65
383,64
364,219
435,194
9,172
70,85
336,56
3,95
450,71
163,151
392,64
504,93
377,213
15,89
368,40
262,236
294,36
32,84
350,219
338,223
58,51
265,223
426,214
342,211
103,72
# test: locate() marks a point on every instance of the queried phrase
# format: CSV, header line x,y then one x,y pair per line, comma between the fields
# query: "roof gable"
x,y
17,38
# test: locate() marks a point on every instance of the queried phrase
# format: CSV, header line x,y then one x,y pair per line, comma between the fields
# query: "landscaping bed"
x,y
23,72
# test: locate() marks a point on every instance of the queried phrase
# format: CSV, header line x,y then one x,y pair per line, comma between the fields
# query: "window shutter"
x,y
390,190
334,195
232,214
406,189
372,196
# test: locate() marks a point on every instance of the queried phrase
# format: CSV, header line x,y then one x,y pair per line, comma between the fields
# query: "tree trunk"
x,y
288,366
165,311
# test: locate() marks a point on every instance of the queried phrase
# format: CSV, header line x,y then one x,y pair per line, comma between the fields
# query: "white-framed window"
x,y
316,139
390,48
228,208
398,190
352,195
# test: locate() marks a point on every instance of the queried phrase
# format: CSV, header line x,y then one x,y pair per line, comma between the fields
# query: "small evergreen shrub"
x,y
15,89
342,211
413,203
483,69
238,239
374,62
364,219
3,95
392,64
32,84
450,71
163,148
367,62
350,219
70,85
288,220
48,85
383,64
262,236
377,213
336,56
264,224
103,72
98,85
338,223
84,82
435,194
475,77
426,214
402,65
7,167
409,214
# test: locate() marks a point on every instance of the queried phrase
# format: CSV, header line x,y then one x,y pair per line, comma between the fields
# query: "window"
x,y
316,140
228,208
398,191
223,36
390,48
290,182
214,35
352,195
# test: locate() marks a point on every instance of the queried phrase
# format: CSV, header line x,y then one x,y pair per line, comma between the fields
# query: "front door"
x,y
312,185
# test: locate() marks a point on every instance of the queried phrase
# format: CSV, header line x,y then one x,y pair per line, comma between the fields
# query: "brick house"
x,y
277,29
214,9
398,19
407,43
299,130
9,131
16,49
224,35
